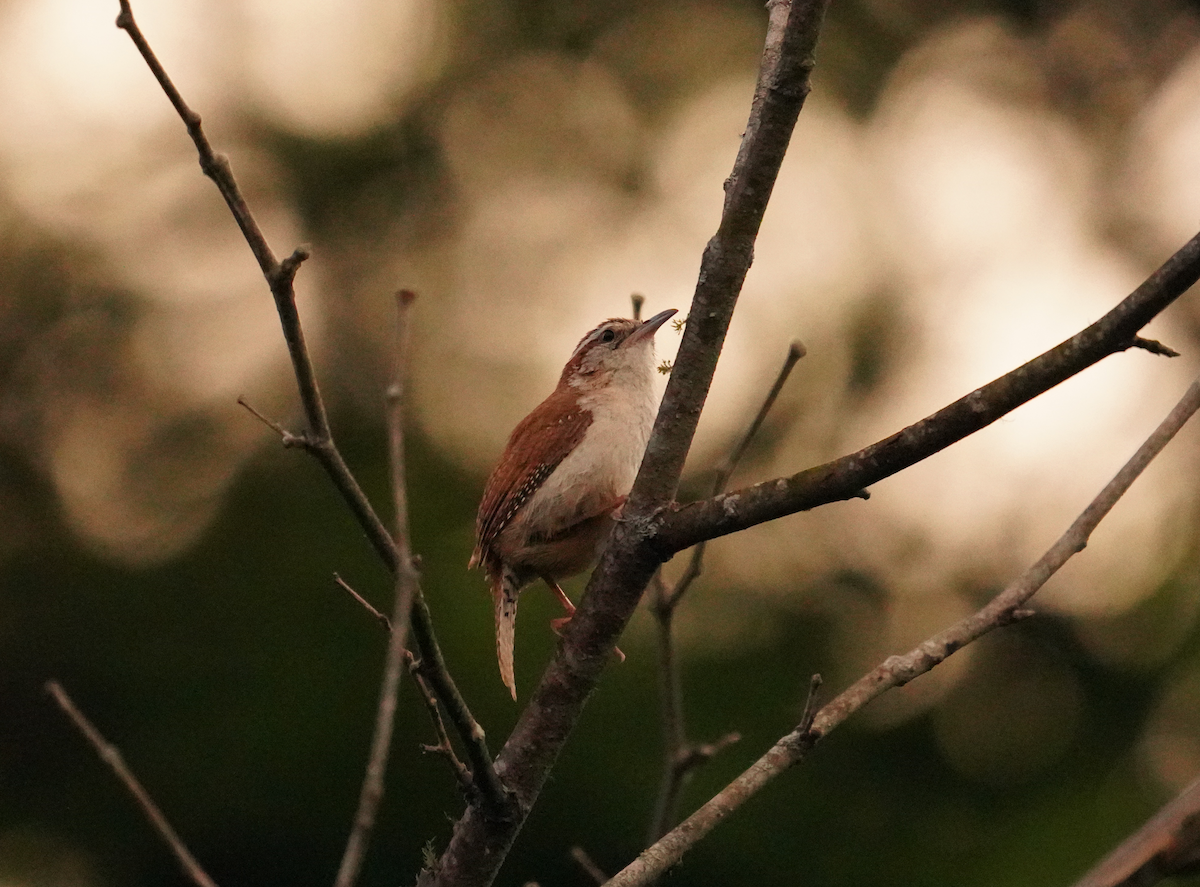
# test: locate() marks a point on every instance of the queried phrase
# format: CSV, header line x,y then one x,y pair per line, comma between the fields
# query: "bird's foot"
x,y
618,512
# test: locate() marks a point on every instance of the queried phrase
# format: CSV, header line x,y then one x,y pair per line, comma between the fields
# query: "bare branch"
x,y
319,441
1166,846
696,565
287,438
406,584
847,477
478,847
588,864
810,704
444,748
670,706
111,756
380,617
680,757
896,671
1154,347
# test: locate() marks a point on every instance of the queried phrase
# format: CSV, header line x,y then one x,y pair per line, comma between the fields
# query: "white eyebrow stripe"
x,y
591,337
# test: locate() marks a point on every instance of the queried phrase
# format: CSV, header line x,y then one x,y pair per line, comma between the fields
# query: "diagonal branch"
x,y
1167,845
111,755
1006,608
318,440
846,477
478,847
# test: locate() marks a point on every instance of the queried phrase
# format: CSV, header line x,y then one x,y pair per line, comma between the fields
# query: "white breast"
x,y
605,463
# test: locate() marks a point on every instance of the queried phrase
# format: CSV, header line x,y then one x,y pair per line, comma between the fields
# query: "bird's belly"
x,y
555,557
592,479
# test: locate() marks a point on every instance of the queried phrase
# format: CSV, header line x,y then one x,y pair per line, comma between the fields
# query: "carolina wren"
x,y
568,466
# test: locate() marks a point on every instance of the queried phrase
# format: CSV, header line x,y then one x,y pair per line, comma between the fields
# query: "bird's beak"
x,y
649,327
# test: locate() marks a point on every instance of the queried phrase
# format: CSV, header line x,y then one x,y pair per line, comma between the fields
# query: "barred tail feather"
x,y
505,594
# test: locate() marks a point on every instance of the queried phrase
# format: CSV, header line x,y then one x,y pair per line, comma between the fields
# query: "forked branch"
x,y
318,439
1006,608
847,476
478,847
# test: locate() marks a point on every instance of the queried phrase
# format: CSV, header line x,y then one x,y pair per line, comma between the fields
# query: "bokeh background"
x,y
969,184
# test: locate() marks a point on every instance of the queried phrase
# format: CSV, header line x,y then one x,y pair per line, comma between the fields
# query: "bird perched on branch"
x,y
567,468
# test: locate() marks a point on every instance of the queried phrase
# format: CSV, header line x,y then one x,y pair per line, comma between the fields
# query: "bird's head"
x,y
618,348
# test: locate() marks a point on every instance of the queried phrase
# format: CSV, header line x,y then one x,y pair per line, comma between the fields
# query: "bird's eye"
x,y
607,336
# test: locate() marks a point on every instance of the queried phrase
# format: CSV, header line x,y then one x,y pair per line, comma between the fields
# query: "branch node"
x,y
381,618
1018,615
286,271
287,438
1153,346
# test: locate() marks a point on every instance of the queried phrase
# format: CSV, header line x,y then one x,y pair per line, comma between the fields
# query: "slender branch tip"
x,y
381,618
1153,346
288,438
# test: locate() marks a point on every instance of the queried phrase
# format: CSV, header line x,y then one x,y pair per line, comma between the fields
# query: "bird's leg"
x,y
557,625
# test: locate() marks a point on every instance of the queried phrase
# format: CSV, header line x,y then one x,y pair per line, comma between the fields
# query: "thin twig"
x,y
677,747
380,617
671,717
1004,609
1154,347
288,439
111,756
371,794
585,861
810,705
696,563
444,748
423,676
319,440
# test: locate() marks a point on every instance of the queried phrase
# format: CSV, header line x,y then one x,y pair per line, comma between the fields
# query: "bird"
x,y
563,477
